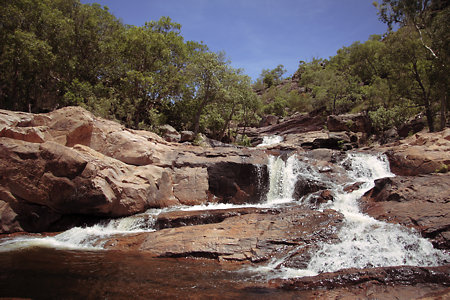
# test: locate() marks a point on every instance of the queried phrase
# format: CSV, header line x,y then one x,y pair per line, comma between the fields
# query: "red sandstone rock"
x,y
70,162
241,236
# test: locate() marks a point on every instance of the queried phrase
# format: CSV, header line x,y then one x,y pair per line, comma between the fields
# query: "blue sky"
x,y
261,34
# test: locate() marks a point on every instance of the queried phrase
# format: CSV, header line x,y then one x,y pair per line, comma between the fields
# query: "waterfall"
x,y
270,140
364,241
282,178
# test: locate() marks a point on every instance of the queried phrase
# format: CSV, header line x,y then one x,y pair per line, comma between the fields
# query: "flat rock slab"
x,y
255,236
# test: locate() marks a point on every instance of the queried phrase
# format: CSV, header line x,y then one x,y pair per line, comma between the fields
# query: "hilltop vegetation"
x,y
391,77
56,53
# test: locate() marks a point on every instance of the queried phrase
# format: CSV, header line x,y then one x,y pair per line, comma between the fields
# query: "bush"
x,y
384,119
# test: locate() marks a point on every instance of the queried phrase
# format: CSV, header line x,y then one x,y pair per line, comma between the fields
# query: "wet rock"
x,y
305,186
238,183
353,187
247,237
334,142
190,218
421,202
386,276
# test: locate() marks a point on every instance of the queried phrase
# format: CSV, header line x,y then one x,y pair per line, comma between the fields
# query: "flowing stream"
x,y
364,241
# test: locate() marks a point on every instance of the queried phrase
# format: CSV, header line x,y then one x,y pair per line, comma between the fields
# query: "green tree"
x,y
431,20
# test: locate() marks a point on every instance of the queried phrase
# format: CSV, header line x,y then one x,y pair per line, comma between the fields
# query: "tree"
x,y
205,72
269,78
431,20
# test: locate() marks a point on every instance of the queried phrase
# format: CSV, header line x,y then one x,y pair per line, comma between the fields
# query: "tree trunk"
x,y
227,122
198,115
430,119
443,111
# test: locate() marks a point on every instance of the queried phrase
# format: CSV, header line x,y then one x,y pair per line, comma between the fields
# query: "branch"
x,y
423,43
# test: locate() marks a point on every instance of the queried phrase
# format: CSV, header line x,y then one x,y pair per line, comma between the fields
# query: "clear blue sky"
x,y
261,34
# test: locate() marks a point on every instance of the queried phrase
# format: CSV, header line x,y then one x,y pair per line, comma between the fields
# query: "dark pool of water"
x,y
43,273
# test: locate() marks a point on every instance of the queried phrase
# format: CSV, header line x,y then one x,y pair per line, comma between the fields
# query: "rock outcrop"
x,y
70,163
422,153
241,235
420,202
349,122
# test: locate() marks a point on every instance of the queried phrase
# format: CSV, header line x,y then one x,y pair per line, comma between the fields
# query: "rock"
x,y
334,143
49,181
190,218
386,276
297,124
421,202
67,167
238,183
28,134
353,187
250,237
422,153
169,133
349,122
305,186
268,120
187,136
414,126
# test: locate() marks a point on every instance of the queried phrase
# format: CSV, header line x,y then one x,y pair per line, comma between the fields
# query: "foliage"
x,y
269,78
384,119
56,53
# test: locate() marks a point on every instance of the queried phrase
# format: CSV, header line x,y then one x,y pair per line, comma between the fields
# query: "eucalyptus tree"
x,y
430,19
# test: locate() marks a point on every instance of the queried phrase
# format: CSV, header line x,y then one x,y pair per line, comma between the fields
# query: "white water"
x,y
270,140
86,238
364,241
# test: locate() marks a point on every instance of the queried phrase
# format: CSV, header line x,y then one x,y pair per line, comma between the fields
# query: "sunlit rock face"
x,y
71,164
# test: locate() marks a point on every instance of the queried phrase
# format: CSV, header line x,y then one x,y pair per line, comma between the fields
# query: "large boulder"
x,y
421,202
41,183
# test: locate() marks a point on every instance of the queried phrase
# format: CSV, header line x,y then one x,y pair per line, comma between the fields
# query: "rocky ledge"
x,y
69,167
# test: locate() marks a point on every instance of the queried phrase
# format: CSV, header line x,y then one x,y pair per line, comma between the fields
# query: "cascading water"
x,y
85,237
270,140
364,241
